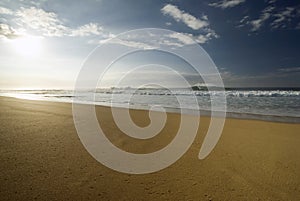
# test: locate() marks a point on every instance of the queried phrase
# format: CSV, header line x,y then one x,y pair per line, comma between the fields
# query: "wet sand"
x,y
42,158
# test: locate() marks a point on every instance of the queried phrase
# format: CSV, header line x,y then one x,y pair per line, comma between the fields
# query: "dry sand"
x,y
42,158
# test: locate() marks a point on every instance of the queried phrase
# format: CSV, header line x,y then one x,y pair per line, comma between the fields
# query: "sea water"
x,y
263,104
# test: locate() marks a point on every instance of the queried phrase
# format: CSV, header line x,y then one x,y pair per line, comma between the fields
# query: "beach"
x,y
42,158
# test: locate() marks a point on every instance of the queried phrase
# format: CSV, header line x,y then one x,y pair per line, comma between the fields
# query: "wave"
x,y
240,103
235,93
172,92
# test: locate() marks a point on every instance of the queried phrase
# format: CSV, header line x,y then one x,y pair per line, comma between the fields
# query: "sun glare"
x,y
28,46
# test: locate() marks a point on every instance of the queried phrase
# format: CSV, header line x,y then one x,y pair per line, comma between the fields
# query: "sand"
x,y
42,158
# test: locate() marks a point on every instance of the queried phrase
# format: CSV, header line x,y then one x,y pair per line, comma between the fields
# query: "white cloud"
x,y
184,38
202,25
265,15
131,43
282,17
133,40
186,18
227,3
202,38
272,1
272,17
243,21
256,24
87,30
48,23
5,11
8,32
154,41
188,39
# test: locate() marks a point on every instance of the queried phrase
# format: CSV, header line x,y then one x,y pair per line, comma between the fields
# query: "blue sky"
x,y
253,43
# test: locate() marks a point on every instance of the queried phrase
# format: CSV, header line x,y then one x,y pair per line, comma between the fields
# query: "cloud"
x,y
201,25
5,11
188,39
154,41
184,38
289,70
279,76
131,43
265,15
284,16
7,32
272,1
256,24
87,30
203,38
48,23
186,18
243,21
275,18
37,19
227,3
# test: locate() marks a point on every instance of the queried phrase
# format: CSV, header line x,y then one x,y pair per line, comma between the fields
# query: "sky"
x,y
44,43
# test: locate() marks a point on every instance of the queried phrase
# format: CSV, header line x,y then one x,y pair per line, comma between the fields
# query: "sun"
x,y
28,46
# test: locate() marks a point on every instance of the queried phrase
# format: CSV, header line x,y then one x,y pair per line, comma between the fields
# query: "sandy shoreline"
x,y
43,159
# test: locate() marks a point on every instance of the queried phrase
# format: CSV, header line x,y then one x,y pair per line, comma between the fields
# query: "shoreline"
x,y
206,113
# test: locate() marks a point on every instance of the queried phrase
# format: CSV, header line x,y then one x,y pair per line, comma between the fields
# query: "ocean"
x,y
281,105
